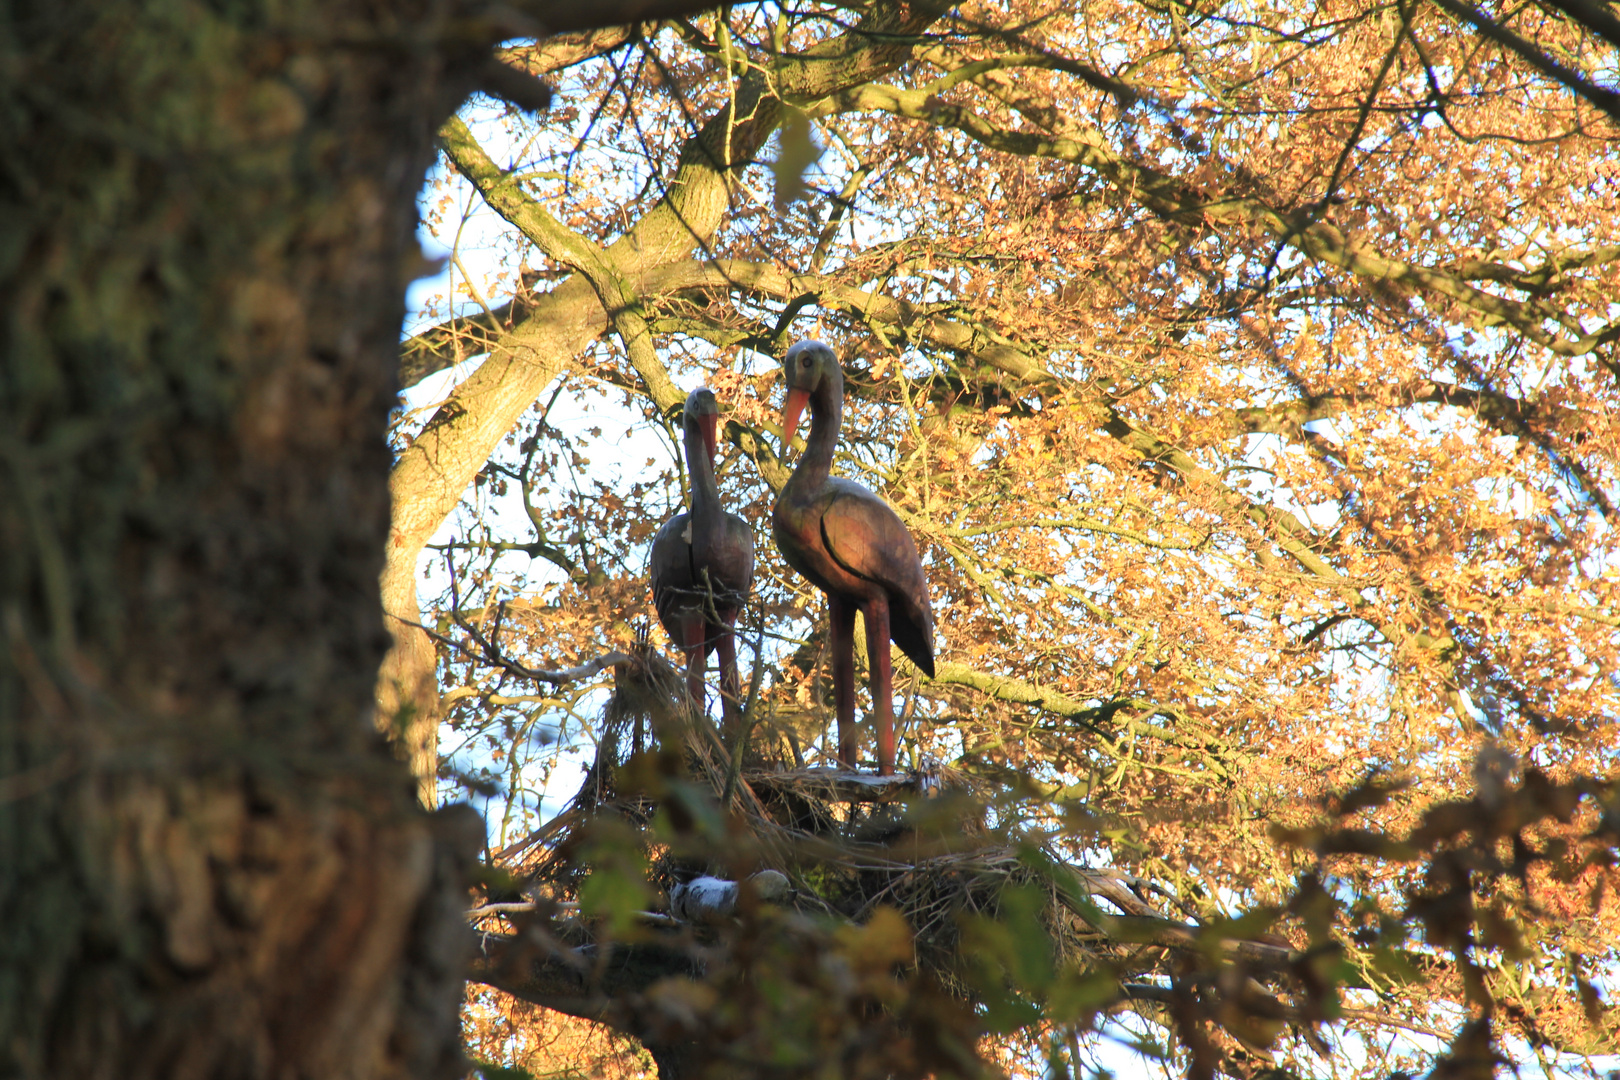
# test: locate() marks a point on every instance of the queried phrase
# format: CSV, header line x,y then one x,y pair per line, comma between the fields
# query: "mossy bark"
x,y
210,863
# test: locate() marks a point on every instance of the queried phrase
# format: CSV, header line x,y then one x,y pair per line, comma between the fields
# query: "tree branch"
x,y
1601,96
1321,241
614,291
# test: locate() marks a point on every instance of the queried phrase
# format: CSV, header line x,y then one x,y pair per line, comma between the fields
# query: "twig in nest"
x,y
748,719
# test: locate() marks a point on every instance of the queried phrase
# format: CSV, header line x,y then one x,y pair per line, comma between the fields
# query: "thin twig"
x,y
747,720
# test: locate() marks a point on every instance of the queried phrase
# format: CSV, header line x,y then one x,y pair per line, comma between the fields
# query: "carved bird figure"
x,y
853,547
702,564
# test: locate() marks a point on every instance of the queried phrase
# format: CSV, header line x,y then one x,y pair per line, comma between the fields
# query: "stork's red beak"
x,y
792,409
709,425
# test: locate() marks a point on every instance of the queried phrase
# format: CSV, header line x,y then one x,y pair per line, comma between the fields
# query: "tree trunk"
x,y
212,864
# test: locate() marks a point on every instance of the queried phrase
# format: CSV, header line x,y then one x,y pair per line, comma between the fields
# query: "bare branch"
x,y
1601,96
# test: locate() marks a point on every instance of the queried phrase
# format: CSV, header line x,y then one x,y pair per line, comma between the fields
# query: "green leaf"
x,y
615,896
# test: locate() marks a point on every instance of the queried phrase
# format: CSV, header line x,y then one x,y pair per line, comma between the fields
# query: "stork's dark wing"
x,y
867,538
670,568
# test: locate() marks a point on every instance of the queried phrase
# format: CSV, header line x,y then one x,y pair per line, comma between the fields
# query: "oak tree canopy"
x,y
1248,377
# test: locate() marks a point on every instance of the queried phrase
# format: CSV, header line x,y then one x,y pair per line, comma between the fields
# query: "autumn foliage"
x,y
1247,376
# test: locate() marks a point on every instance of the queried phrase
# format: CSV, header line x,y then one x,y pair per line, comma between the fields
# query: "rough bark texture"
x,y
213,866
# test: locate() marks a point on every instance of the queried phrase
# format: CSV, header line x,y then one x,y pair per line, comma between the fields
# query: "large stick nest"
x,y
851,843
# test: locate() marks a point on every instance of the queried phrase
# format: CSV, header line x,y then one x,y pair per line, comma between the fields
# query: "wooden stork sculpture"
x,y
853,547
702,564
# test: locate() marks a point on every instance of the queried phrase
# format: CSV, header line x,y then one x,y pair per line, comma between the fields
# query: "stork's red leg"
x,y
877,648
697,654
730,686
841,639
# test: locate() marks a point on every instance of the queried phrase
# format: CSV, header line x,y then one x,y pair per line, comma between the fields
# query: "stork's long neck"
x,y
826,418
700,470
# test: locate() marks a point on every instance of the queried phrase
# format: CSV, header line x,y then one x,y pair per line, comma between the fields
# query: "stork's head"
x,y
809,364
702,414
